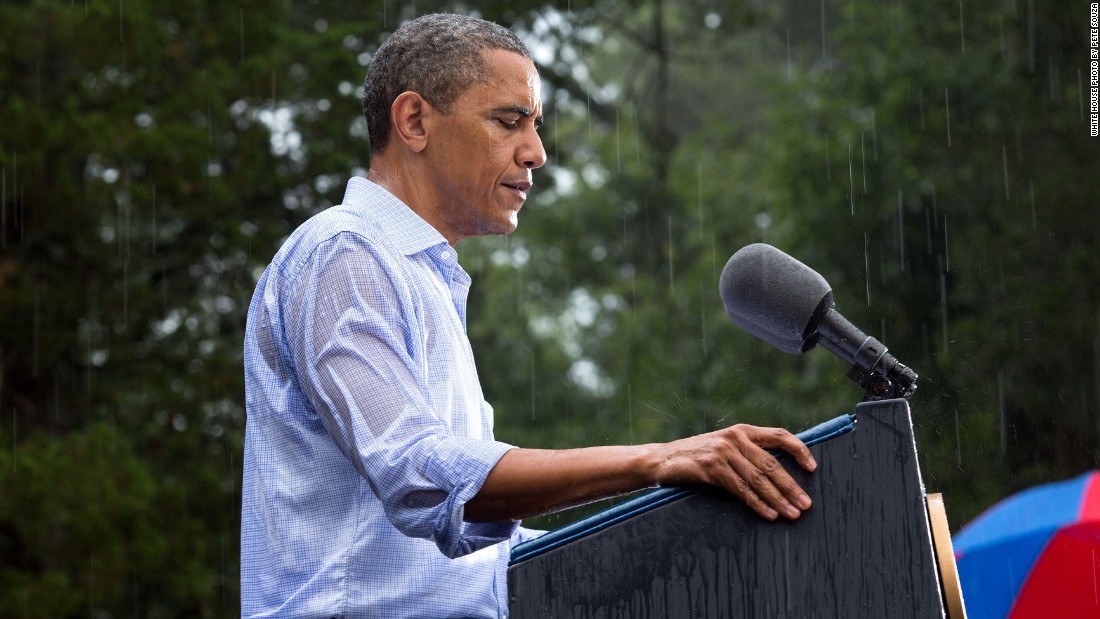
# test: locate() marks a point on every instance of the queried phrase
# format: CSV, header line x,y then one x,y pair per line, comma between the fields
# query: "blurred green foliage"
x,y
931,160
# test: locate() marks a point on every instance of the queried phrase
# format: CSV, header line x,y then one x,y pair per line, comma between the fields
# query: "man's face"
x,y
483,151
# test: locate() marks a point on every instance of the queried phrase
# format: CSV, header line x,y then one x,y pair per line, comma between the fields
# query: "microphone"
x,y
789,305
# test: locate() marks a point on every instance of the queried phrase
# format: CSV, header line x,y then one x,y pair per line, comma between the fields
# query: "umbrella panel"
x,y
1065,581
991,575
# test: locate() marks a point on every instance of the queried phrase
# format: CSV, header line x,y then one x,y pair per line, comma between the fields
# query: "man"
x,y
372,483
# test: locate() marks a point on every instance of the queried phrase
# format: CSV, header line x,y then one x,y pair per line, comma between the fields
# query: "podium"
x,y
864,549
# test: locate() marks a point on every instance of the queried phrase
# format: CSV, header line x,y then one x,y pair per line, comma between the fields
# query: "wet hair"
x,y
437,56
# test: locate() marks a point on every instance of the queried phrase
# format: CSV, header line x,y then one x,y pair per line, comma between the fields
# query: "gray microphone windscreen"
x,y
773,296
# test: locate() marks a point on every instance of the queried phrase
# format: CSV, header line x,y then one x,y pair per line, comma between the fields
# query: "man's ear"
x,y
407,120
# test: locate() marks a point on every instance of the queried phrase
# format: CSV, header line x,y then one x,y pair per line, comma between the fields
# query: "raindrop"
x,y
962,39
15,181
946,248
1004,165
242,35
14,444
943,307
874,136
851,181
867,265
901,233
863,157
789,75
947,113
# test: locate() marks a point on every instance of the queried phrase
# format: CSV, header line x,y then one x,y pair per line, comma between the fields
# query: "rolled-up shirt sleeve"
x,y
357,336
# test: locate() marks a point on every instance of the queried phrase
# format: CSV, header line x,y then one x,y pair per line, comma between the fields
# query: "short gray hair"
x,y
437,56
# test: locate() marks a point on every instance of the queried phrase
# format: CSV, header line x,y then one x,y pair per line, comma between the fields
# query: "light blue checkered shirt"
x,y
367,429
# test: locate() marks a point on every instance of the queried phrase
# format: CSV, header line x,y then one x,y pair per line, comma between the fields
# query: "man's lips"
x,y
520,186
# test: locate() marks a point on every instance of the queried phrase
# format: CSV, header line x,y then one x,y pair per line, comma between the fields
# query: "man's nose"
x,y
532,155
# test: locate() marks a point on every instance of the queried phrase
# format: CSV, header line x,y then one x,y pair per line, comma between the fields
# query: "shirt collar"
x,y
407,230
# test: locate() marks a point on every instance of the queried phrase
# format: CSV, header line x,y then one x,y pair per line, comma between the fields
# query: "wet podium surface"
x,y
863,550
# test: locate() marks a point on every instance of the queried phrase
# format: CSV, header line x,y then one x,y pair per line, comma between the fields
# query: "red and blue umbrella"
x,y
1035,554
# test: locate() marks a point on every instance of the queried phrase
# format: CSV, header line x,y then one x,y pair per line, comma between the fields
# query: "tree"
x,y
152,159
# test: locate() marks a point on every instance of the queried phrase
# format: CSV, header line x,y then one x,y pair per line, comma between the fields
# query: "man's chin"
x,y
505,230
503,227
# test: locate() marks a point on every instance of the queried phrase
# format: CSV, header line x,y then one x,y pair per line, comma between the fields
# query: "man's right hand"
x,y
736,458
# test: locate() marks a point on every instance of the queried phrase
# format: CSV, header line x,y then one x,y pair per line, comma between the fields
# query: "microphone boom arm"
x,y
877,372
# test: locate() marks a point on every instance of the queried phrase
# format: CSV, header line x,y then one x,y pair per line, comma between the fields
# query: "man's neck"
x,y
401,182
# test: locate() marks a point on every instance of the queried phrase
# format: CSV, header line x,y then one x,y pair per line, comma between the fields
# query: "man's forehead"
x,y
513,82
